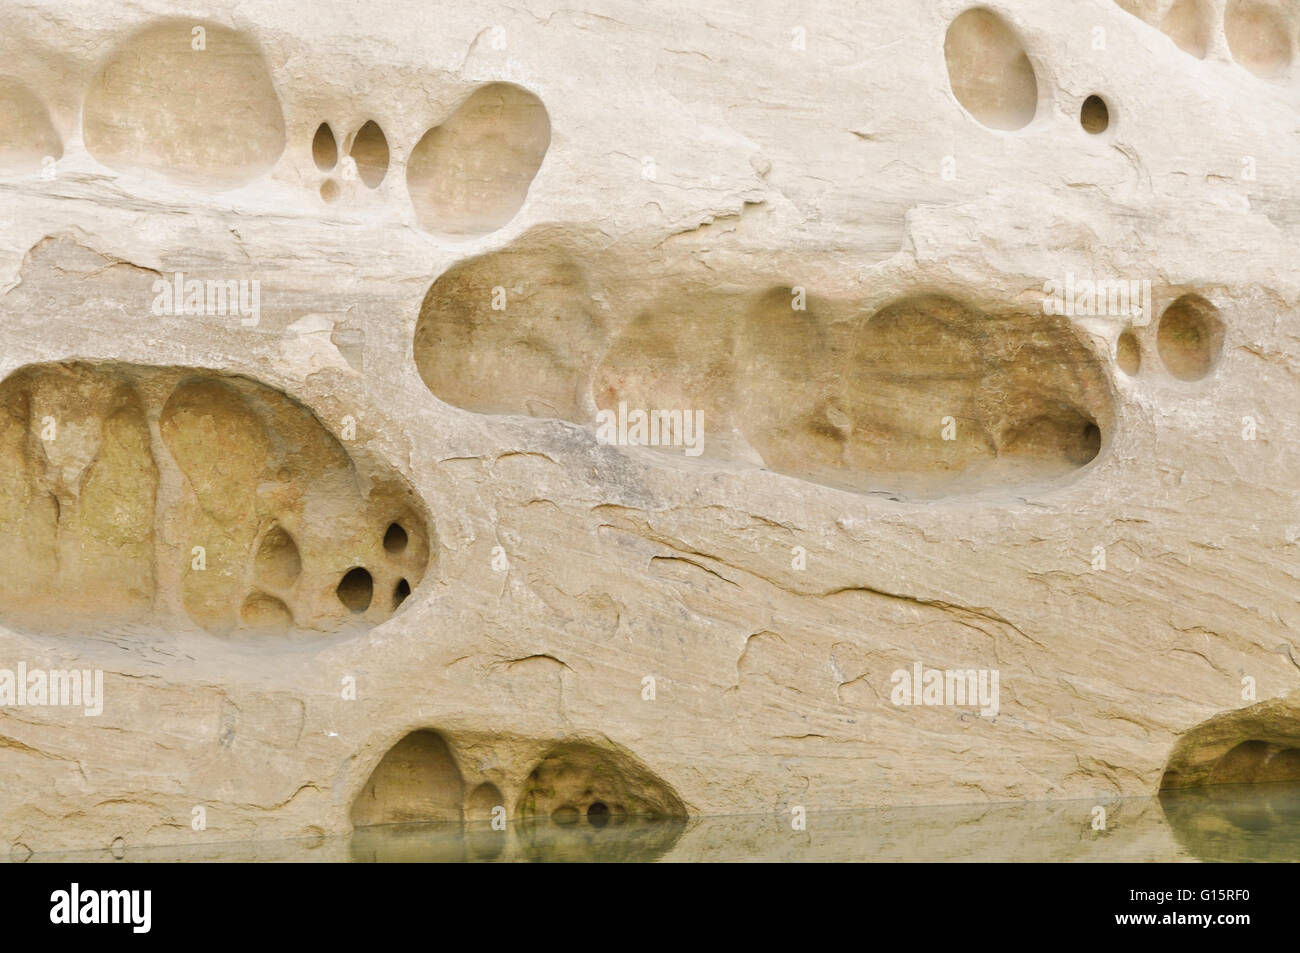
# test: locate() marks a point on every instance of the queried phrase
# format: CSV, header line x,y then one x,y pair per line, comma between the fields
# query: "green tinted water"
x,y
1249,822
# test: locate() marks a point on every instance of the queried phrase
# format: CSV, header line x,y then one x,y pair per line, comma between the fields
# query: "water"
x,y
1246,822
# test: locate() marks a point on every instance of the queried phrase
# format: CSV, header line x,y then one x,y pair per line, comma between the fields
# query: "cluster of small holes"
x,y
598,814
1189,340
367,158
356,589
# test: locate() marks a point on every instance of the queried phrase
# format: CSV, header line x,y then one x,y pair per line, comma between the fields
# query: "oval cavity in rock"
x,y
240,519
989,71
204,116
470,175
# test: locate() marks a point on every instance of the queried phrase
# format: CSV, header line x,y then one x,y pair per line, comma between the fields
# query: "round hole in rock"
x,y
329,191
1190,337
989,71
356,589
324,150
566,814
598,814
401,592
370,152
1094,116
1128,353
395,539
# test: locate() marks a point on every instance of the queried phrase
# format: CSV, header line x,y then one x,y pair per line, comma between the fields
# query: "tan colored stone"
x,y
1112,528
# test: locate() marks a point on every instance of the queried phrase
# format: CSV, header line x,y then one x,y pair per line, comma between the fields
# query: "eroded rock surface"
x,y
172,495
989,315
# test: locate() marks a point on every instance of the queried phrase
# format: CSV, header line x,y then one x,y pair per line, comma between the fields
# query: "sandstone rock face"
x,y
331,348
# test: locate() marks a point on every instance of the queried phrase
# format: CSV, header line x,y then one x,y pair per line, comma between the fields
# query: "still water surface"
x,y
1246,822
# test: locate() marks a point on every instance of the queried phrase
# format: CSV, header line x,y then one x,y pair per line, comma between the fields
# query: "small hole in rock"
x,y
1190,337
329,190
370,151
1094,115
395,539
324,150
598,814
401,592
356,589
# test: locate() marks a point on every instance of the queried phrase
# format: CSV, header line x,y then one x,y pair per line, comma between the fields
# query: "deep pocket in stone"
x,y
178,497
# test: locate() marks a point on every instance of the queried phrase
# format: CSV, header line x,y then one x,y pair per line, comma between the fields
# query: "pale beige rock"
x,y
1113,527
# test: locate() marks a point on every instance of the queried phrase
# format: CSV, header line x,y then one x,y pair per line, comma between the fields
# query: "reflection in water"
x,y
1223,823
621,839
1236,822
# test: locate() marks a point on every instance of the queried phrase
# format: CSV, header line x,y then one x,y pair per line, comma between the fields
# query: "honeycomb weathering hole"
x,y
370,152
1249,762
416,781
927,395
324,148
1257,744
989,71
471,174
201,116
395,538
1190,337
102,525
1094,116
356,590
539,361
483,800
573,778
1259,36
27,135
